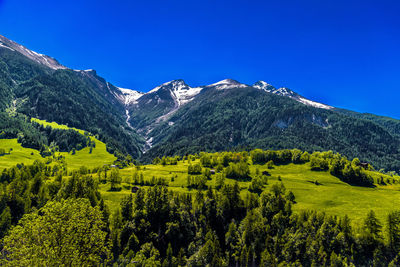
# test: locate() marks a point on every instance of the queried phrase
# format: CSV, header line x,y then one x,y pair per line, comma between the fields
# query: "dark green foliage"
x,y
115,179
338,165
139,180
127,208
258,183
240,171
63,140
166,160
20,127
196,182
393,231
14,69
194,169
215,228
25,188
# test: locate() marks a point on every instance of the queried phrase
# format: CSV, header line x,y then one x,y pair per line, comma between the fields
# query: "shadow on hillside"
x,y
360,185
114,189
314,182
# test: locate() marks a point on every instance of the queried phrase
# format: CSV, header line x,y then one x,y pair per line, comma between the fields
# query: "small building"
x,y
135,189
212,171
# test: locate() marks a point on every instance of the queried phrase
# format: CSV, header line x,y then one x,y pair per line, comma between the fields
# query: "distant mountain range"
x,y
175,118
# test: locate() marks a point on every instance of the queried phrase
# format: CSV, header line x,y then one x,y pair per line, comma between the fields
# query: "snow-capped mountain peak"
x,y
264,86
179,90
283,91
174,85
227,84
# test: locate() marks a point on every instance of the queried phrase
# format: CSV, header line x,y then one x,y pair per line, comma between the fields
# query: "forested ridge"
x,y
79,99
80,106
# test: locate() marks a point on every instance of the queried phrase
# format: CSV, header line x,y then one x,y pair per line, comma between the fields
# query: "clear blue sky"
x,y
342,53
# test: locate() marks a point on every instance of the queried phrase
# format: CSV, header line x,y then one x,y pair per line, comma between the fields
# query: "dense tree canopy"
x,y
69,232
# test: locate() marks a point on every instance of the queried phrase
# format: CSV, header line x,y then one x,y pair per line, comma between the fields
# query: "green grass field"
x,y
19,154
98,157
55,125
332,196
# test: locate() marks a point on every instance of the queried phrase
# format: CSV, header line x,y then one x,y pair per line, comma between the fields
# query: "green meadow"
x,y
19,154
331,195
98,157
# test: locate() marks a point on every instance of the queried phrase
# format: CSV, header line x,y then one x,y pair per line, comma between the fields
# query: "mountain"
x,y
158,104
150,109
246,118
38,86
176,118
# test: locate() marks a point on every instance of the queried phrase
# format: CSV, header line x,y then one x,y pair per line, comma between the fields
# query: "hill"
x,y
92,156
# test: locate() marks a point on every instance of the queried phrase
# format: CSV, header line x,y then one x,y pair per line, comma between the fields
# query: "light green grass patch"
x,y
55,125
18,154
97,158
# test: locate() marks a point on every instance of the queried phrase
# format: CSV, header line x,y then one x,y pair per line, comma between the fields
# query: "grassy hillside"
x,y
98,157
18,154
56,125
330,195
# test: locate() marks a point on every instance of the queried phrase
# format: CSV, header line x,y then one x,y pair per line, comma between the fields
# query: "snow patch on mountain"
x,y
227,84
128,96
313,104
185,94
264,86
2,45
179,90
283,91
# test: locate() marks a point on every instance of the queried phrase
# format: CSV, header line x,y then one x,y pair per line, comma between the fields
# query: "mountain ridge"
x,y
175,118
